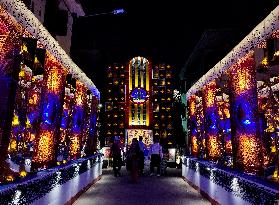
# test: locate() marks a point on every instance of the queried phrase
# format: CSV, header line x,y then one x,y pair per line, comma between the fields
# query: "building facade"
x,y
139,98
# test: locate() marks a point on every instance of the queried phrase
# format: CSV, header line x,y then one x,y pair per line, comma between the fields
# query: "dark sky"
x,y
162,31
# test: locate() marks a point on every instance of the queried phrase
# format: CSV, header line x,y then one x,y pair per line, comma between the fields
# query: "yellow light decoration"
x,y
241,74
28,124
13,145
75,145
210,94
23,173
195,146
10,178
80,94
45,149
213,147
34,99
265,61
21,74
15,121
192,105
54,81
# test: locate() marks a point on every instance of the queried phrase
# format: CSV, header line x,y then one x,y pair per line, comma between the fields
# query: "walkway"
x,y
164,190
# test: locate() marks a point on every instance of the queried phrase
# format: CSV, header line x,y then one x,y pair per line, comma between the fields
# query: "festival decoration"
x,y
211,127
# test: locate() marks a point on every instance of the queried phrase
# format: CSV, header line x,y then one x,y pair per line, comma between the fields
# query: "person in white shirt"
x,y
141,159
155,154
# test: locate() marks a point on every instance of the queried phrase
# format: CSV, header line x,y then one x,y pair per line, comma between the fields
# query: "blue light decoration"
x,y
93,121
50,109
139,95
64,121
77,119
248,155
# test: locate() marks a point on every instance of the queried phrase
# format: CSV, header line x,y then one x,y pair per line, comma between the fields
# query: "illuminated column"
x,y
10,40
78,119
193,126
200,127
66,117
244,107
93,129
211,128
44,147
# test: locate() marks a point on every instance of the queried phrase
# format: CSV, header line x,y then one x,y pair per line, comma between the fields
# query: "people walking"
x,y
116,156
133,160
141,155
155,154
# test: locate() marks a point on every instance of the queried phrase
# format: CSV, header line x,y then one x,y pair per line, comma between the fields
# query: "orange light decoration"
x,y
194,144
75,146
210,94
248,146
213,147
55,73
192,105
193,126
242,74
45,150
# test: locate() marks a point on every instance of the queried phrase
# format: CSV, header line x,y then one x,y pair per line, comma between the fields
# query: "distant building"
x,y
138,101
57,17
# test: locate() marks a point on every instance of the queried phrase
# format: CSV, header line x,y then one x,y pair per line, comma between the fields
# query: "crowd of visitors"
x,y
134,158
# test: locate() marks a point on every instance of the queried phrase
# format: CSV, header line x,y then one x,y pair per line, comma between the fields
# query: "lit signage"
x,y
139,95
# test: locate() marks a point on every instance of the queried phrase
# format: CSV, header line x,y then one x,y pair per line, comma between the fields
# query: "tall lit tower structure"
x,y
162,101
139,98
115,103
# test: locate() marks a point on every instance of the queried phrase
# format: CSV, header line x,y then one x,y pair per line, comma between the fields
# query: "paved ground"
x,y
164,190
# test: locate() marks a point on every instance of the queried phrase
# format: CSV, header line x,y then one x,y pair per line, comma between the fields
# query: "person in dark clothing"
x,y
116,156
141,155
133,158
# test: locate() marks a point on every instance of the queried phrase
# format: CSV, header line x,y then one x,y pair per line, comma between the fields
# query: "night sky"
x,y
161,31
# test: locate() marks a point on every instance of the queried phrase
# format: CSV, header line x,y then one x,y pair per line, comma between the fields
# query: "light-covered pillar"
x,y
211,120
244,108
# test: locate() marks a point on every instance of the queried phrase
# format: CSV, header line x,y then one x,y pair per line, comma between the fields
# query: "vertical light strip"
x,y
130,114
141,114
141,77
130,76
136,114
147,76
147,111
136,74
